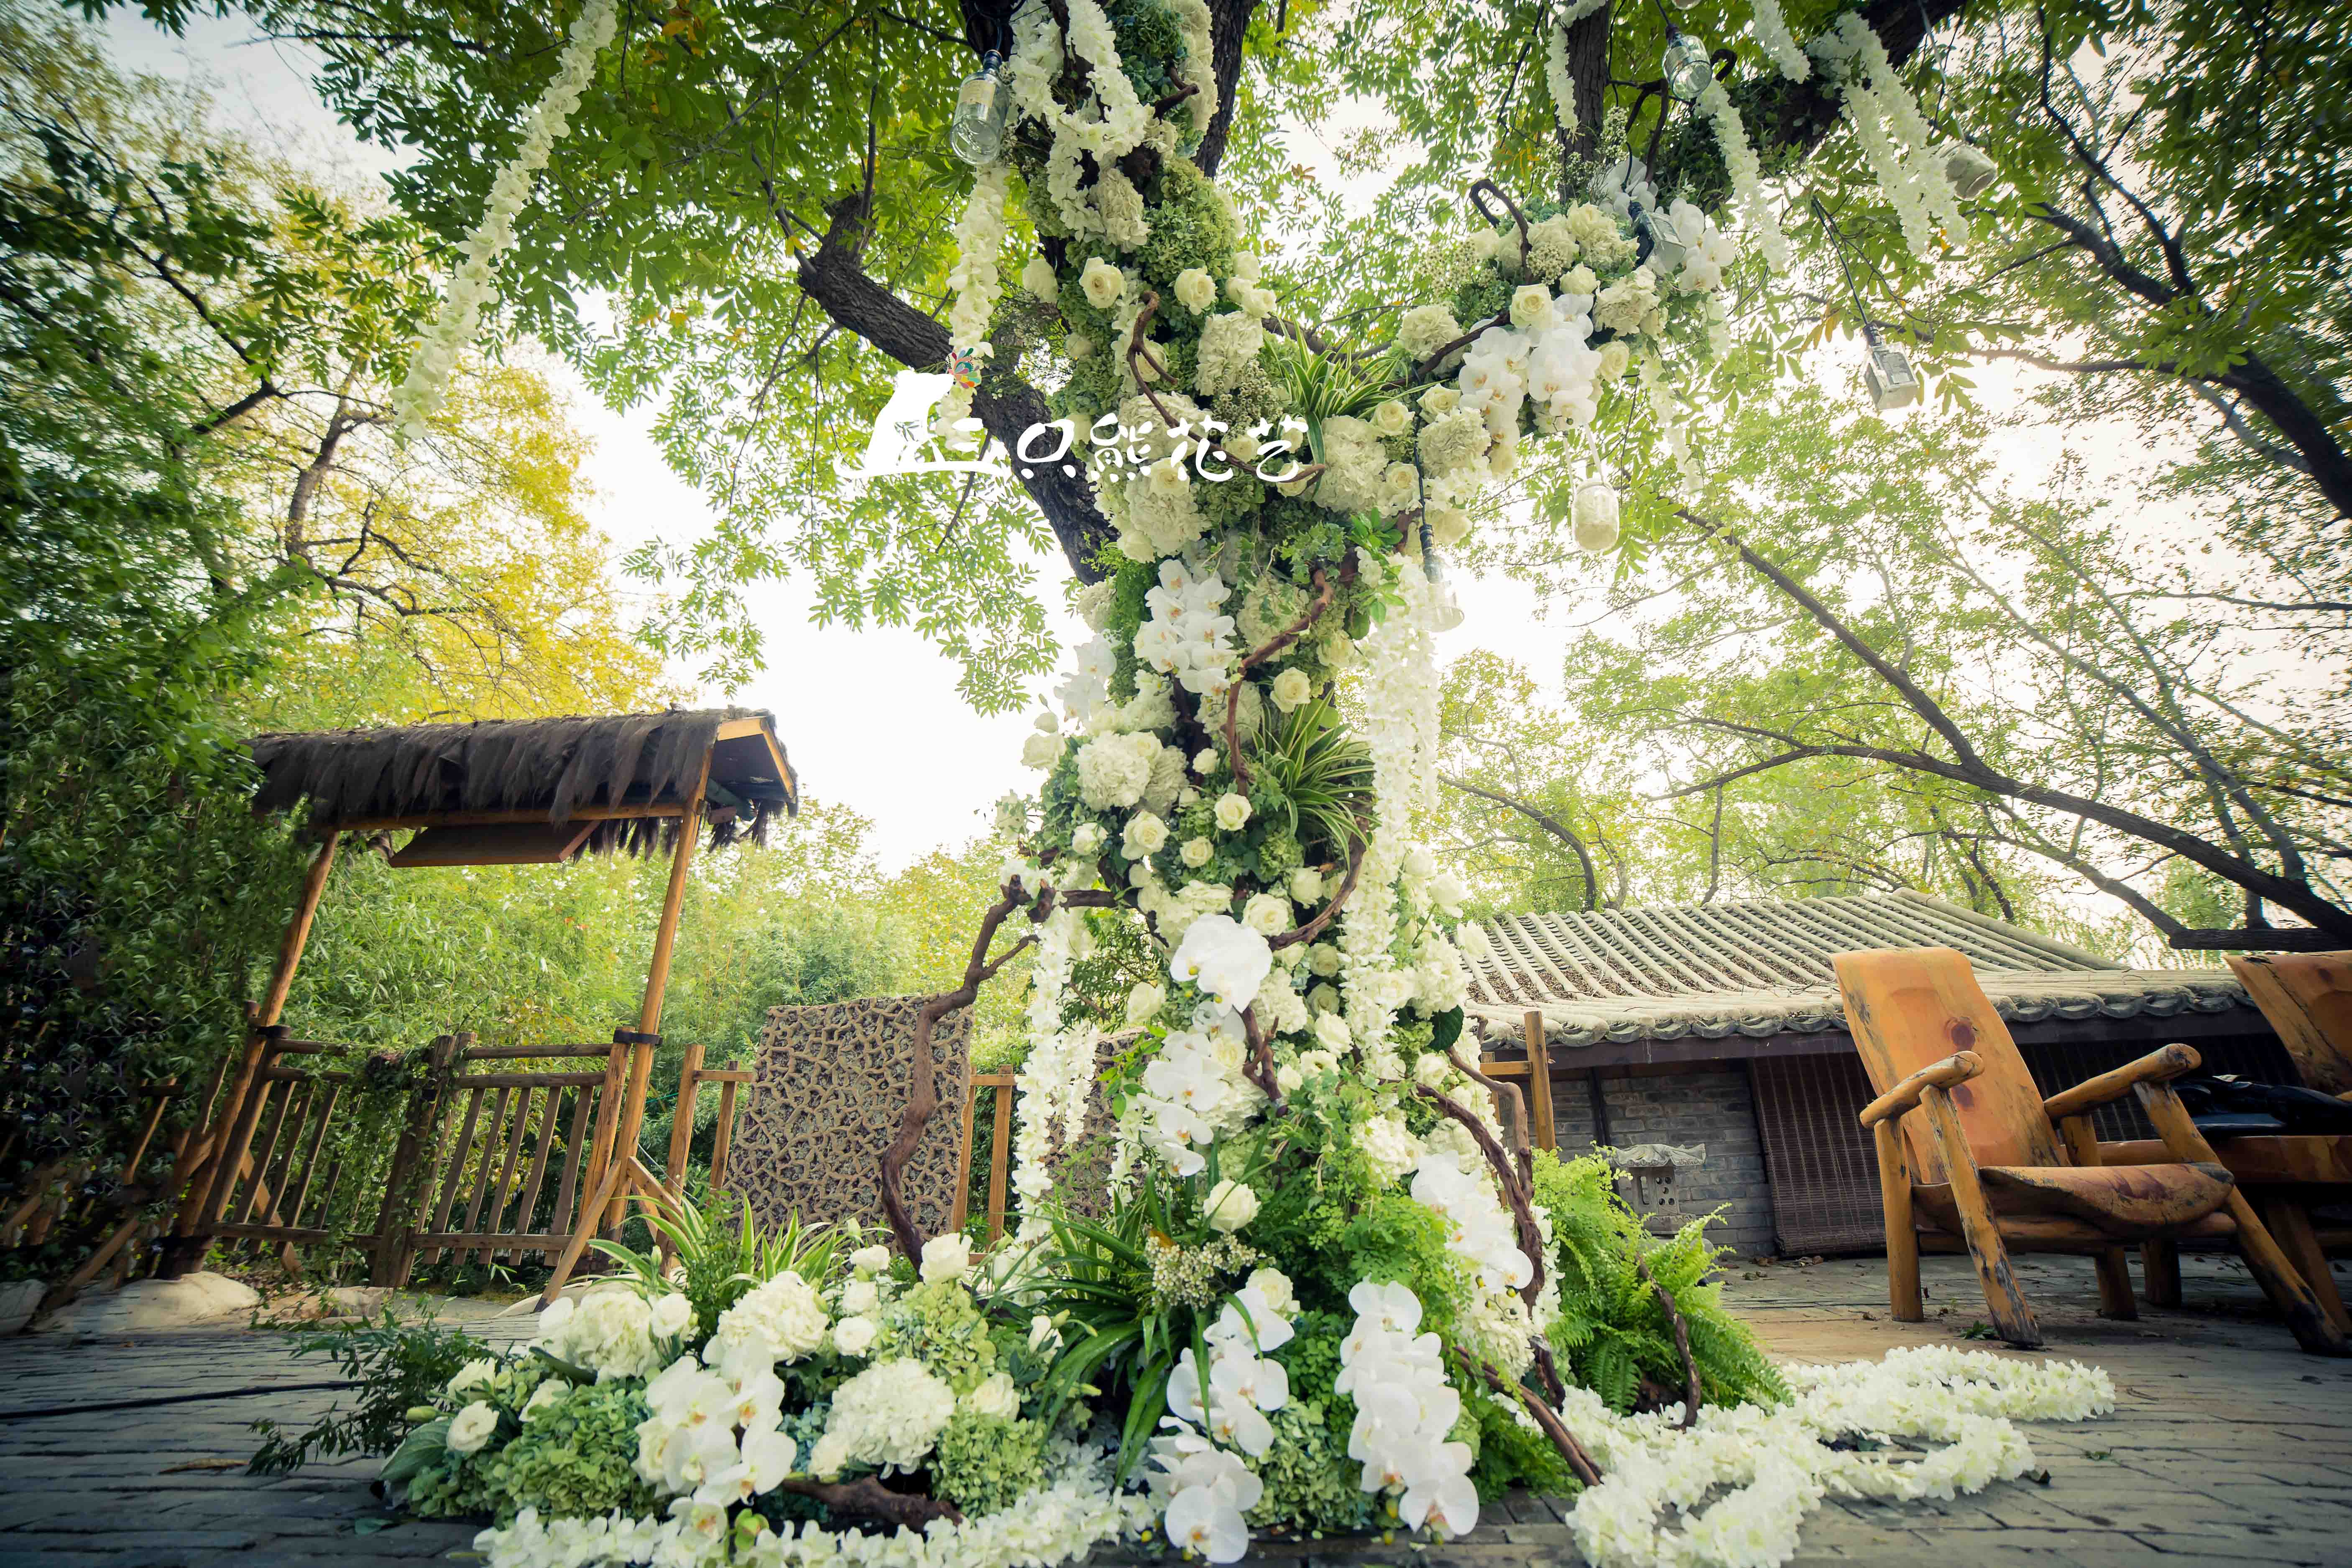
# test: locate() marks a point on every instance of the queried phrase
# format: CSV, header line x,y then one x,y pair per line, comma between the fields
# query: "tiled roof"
x,y
1762,966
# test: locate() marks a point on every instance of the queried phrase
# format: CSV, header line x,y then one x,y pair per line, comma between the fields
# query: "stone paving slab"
x,y
2228,1447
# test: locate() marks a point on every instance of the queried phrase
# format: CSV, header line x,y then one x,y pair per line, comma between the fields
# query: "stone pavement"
x,y
2228,1447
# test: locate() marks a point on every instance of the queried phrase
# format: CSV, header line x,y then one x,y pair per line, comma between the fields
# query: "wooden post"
x,y
1000,1145
2289,1222
2011,1318
298,932
1901,1231
1540,1082
2159,1267
722,1141
412,1157
957,1215
641,1071
2115,1300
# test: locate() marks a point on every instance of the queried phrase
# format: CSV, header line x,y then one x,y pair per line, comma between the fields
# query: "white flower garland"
x,y
472,286
1037,60
1562,85
1897,150
1747,175
1772,35
1777,1463
1053,1081
1670,423
978,285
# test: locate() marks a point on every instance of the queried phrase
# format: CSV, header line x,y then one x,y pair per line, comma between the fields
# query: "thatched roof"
x,y
565,769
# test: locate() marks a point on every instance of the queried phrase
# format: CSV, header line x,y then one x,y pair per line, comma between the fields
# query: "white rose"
x,y
1307,885
1290,688
860,1297
854,1336
1288,1078
1207,761
947,1256
551,1392
1246,266
1039,279
1195,289
1393,418
1274,1285
1144,1002
1439,400
1615,357
1432,1070
1579,279
1103,283
1232,1205
673,1315
995,1396
1473,943
1233,811
1323,958
1268,914
1041,750
1530,306
1504,460
1324,998
1086,839
870,1260
1197,852
1448,525
1145,835
831,1453
475,1372
471,1427
1332,1030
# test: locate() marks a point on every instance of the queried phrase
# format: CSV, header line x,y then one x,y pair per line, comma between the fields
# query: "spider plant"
x,y
1320,386
1325,774
722,1253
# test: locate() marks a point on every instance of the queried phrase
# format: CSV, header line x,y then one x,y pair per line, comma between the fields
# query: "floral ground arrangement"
x,y
1330,1290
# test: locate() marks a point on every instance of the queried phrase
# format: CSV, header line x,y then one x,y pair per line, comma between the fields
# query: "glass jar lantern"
x,y
1971,174
1891,382
1592,516
1685,67
983,104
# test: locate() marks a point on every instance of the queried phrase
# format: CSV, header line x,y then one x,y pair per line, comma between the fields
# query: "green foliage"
x,y
1324,775
404,1366
573,1457
986,1463
724,1253
1310,1482
1610,1333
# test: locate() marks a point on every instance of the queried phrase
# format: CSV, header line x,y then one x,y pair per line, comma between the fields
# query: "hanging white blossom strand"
x,y
473,286
979,240
1747,176
1556,75
1897,150
1772,35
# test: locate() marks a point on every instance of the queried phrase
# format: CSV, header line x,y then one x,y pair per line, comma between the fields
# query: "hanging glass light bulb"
x,y
983,106
1593,515
1893,382
1685,67
1971,174
1445,607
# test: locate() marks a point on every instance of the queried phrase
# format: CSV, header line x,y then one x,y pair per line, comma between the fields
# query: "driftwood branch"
x,y
1314,928
1324,591
922,1088
1523,1213
1545,1416
1682,1342
1522,1147
869,1498
1259,1068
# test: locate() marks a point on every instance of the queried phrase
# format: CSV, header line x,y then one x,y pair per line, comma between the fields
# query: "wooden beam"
x,y
649,1012
2255,938
2236,1025
496,818
1540,1082
297,933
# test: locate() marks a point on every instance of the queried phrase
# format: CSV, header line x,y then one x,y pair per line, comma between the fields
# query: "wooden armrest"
x,y
1957,1068
2157,1067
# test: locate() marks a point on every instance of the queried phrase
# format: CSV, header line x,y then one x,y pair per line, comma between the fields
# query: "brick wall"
x,y
1709,1105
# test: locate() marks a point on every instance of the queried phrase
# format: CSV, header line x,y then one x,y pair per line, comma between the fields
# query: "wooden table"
x,y
2286,1177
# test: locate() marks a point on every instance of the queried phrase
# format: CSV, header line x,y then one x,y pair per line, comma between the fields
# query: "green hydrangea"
x,y
1228,503
573,1457
1151,46
453,1485
1486,296
948,1334
987,1463
1310,1482
1191,225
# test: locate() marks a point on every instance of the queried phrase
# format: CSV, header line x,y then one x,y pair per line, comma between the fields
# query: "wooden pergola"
x,y
495,794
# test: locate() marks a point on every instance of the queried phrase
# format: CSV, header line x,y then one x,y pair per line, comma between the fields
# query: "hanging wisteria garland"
x,y
473,285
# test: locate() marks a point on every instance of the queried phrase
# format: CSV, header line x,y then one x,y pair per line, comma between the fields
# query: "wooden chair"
x,y
1990,1165
2307,998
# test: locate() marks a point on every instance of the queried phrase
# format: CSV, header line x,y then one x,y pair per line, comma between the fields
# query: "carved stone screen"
x,y
829,1087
